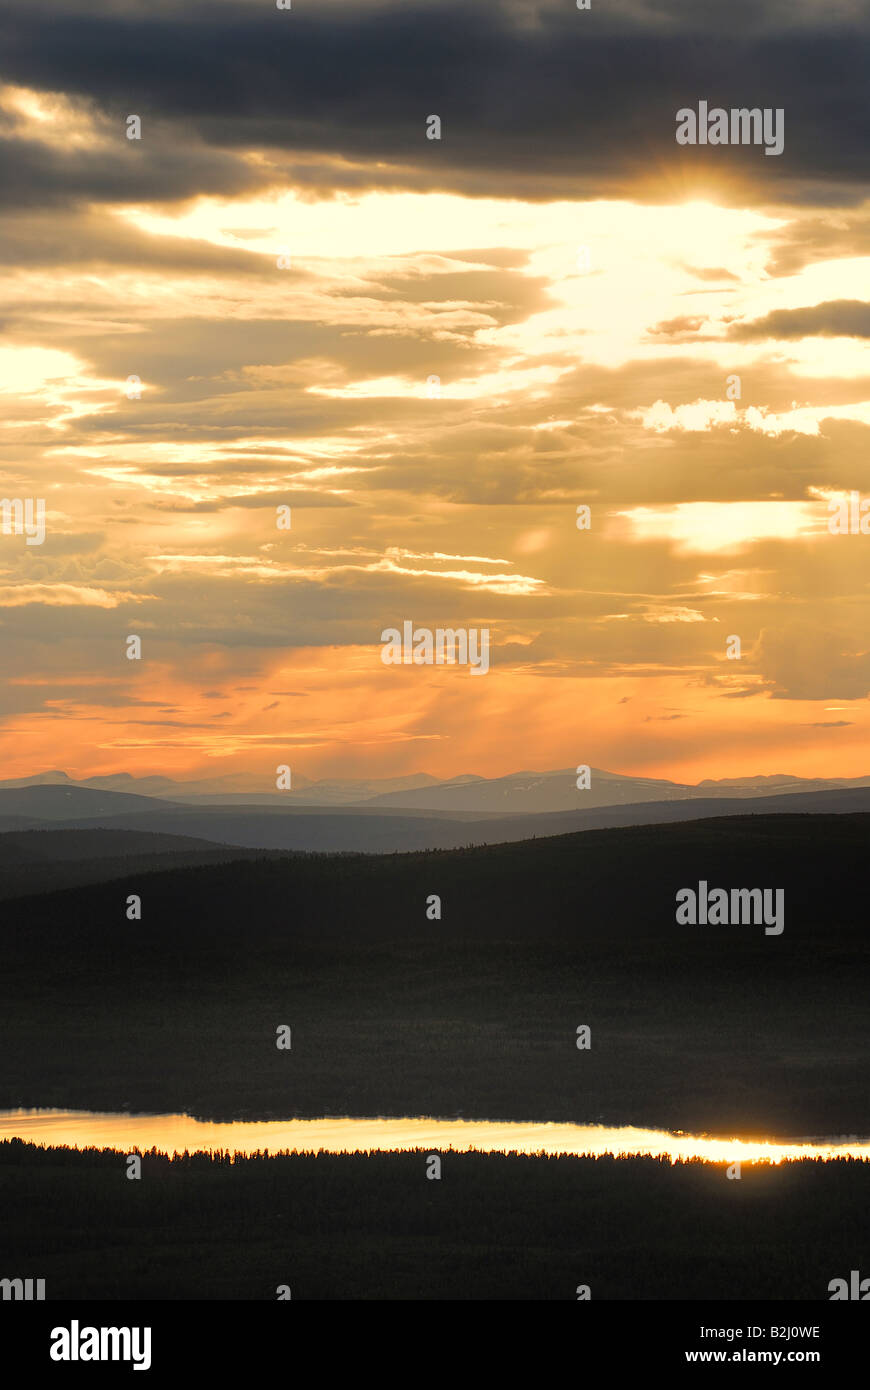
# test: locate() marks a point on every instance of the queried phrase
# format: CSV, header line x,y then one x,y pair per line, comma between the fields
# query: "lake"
x,y
168,1133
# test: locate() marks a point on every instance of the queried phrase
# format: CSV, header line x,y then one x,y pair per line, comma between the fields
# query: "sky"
x,y
433,351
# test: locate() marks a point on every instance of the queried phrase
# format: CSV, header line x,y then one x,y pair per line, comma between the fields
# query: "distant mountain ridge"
x,y
518,793
373,829
234,786
544,792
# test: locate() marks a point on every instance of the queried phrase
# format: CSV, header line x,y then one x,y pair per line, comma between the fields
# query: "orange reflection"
x,y
175,1133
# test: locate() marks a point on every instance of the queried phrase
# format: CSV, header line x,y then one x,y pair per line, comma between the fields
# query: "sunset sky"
x,y
301,134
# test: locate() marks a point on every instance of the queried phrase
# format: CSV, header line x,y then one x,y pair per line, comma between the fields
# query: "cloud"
x,y
702,416
351,85
684,326
842,318
264,386
62,596
803,661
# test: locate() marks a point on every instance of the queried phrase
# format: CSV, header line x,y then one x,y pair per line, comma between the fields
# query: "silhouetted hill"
x,y
17,823
57,846
716,1028
42,861
379,830
61,802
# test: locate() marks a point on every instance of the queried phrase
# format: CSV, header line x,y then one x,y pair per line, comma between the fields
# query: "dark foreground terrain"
x,y
374,1227
716,1029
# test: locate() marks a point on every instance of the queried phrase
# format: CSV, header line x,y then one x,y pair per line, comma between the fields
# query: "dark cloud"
x,y
839,318
804,240
94,238
520,89
168,168
191,359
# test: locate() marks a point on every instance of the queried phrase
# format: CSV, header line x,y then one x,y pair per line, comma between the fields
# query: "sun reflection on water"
x,y
175,1133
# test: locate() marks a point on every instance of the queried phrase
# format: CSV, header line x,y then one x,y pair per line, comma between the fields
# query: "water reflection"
x,y
170,1133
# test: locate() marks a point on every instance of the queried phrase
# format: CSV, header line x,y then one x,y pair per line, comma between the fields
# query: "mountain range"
x,y
454,814
517,793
